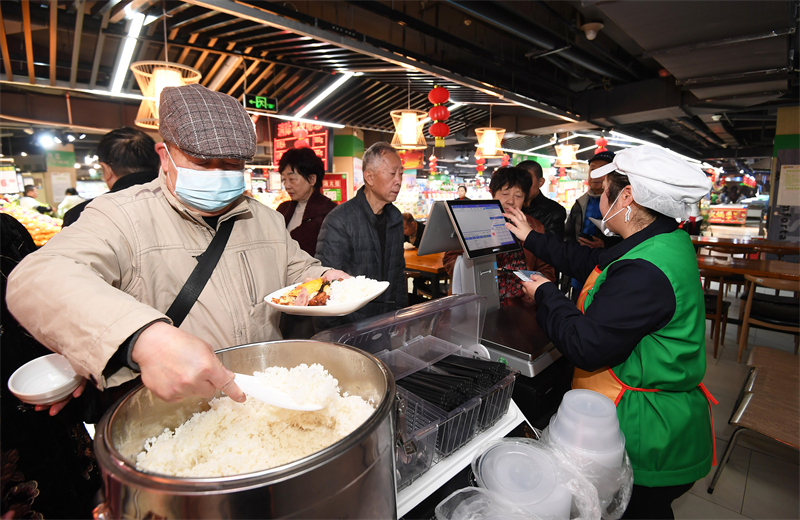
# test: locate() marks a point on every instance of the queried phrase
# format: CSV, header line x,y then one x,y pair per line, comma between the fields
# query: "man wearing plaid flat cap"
x,y
101,292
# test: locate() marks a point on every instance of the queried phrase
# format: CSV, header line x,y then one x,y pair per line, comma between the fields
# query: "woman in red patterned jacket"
x,y
511,186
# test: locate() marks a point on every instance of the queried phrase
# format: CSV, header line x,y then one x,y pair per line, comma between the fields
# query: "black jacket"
x,y
574,226
635,300
349,241
126,181
550,213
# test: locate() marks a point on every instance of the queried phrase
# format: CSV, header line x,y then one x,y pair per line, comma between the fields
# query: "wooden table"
x,y
747,245
429,266
761,268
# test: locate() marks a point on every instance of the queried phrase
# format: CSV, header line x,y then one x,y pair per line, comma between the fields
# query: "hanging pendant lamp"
x,y
490,139
408,127
153,77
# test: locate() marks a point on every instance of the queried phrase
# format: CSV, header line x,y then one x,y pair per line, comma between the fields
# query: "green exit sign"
x,y
262,103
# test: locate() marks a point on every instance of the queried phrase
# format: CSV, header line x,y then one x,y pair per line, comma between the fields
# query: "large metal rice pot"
x,y
353,478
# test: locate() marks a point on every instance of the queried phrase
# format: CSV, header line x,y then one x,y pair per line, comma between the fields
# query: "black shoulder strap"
x,y
206,263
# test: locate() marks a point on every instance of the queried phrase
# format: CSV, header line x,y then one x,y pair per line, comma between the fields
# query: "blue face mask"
x,y
208,190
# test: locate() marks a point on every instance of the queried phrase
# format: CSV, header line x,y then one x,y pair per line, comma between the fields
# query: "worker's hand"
x,y
519,224
57,407
536,282
335,274
176,365
593,243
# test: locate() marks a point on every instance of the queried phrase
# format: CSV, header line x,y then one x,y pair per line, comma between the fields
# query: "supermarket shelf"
x,y
421,488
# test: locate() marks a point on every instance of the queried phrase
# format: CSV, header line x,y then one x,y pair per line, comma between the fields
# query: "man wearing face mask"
x,y
101,291
637,334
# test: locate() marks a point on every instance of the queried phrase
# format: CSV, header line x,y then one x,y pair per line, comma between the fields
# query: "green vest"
x,y
668,433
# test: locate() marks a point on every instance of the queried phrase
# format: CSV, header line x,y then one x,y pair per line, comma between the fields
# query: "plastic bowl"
x,y
522,475
45,380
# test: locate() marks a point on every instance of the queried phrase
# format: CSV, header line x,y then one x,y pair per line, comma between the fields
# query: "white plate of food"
x,y
319,298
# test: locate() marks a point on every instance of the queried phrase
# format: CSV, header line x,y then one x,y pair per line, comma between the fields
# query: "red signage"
x,y
723,215
334,186
285,140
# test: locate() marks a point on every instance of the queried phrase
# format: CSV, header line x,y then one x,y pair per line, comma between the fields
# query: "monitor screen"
x,y
439,235
481,227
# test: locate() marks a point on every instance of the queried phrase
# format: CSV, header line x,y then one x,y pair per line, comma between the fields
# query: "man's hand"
x,y
593,243
176,364
57,407
335,274
519,224
535,283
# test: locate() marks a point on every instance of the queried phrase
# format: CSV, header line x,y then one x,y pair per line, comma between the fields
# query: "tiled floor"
x,y
762,479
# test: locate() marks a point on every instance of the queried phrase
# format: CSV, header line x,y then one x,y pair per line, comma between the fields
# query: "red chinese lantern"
x,y
439,95
432,160
299,132
601,143
480,161
600,150
562,172
301,143
505,161
439,114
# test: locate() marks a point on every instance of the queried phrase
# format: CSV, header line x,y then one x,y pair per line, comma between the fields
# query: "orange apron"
x,y
606,382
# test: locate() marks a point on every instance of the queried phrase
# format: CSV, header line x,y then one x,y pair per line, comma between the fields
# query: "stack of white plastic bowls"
x,y
586,425
522,476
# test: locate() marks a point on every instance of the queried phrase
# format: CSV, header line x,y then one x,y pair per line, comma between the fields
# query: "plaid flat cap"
x,y
206,124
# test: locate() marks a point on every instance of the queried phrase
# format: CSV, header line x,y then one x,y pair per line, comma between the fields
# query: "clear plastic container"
x,y
429,349
522,475
400,363
586,423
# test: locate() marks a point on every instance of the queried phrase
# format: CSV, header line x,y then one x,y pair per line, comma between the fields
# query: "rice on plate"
x,y
233,438
353,289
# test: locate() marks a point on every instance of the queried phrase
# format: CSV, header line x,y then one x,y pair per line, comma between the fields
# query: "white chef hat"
x,y
659,179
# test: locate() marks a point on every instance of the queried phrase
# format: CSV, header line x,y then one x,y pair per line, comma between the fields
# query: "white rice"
x,y
352,289
233,438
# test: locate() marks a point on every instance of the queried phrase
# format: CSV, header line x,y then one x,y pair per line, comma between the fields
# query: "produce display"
x,y
41,227
233,438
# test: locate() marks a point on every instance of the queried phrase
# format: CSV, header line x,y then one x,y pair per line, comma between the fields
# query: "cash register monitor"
x,y
439,235
480,227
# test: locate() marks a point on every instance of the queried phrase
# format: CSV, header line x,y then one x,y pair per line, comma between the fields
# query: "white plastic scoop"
x,y
253,387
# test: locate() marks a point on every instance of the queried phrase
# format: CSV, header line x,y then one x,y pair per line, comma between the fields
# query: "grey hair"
x,y
374,154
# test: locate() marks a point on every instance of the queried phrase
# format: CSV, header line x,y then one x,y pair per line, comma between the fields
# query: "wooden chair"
x,y
769,403
784,318
716,307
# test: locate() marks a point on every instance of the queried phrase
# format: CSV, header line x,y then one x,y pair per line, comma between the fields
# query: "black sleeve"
x,y
558,224
570,258
635,300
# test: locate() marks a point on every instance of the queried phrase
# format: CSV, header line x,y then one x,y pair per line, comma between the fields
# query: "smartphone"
x,y
587,236
525,276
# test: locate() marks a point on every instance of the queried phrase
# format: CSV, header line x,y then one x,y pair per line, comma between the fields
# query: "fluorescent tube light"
x,y
298,119
325,93
127,53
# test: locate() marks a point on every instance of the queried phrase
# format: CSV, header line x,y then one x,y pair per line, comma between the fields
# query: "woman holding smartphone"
x,y
638,332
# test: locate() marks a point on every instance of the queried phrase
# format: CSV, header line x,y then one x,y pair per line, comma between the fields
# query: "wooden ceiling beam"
x,y
26,27
76,43
207,80
98,51
53,40
4,48
247,72
186,50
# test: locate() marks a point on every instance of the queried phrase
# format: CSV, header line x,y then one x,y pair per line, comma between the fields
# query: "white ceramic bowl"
x,y
339,309
45,380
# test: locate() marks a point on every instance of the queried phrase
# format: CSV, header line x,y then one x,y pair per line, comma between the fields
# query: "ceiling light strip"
x,y
325,93
127,53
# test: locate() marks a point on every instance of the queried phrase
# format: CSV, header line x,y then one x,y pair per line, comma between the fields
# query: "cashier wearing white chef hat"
x,y
637,334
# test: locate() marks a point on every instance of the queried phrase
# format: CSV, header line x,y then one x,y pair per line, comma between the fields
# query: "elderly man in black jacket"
x,y
550,213
364,236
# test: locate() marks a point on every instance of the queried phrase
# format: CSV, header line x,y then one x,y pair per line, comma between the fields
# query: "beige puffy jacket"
x,y
121,265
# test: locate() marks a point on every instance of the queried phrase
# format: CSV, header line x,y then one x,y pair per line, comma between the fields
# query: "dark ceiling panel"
x,y
766,54
662,24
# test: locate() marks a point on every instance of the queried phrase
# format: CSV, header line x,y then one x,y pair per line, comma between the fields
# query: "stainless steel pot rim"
x,y
189,485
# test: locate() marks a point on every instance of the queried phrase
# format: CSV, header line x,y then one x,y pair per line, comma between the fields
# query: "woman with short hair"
x,y
302,173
